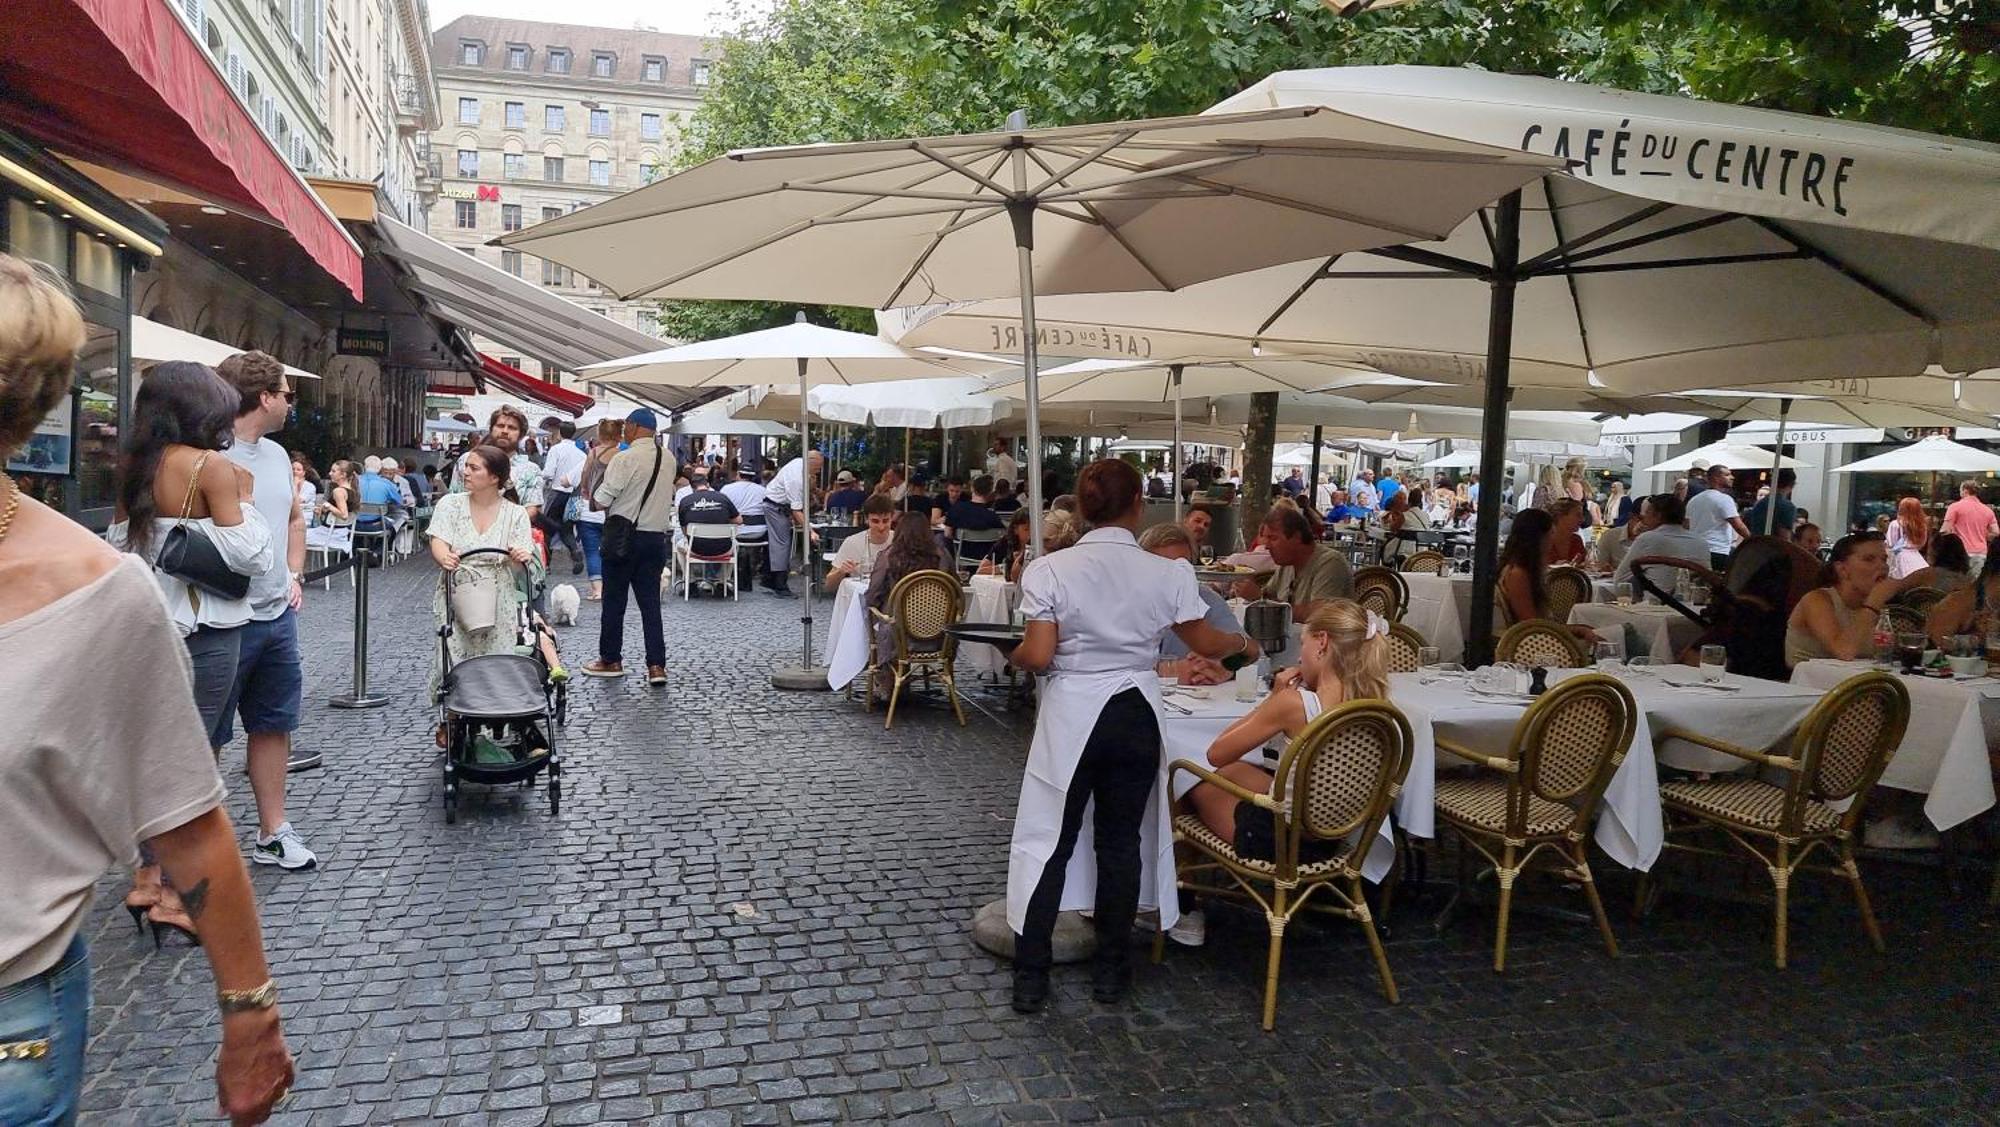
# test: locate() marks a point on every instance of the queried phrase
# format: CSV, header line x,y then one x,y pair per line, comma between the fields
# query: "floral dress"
x,y
451,522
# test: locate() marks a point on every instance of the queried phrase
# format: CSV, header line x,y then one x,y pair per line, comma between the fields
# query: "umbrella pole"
x,y
1777,459
807,675
1493,427
1176,370
1021,210
1312,482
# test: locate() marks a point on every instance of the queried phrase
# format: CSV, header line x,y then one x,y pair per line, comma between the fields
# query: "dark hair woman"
x,y
116,756
1951,565
1838,619
1011,553
1524,558
1095,613
912,548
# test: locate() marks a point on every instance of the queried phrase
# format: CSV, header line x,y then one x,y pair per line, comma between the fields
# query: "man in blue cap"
x,y
638,488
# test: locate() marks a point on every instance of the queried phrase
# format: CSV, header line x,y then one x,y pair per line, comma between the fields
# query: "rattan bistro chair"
x,y
1404,642
1565,750
1563,588
1383,591
1902,618
1426,561
1837,754
922,605
1541,641
1335,783
1920,599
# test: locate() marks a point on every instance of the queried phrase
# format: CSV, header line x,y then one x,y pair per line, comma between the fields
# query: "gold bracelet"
x,y
238,1001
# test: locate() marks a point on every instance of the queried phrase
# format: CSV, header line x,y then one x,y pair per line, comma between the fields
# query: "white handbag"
x,y
475,599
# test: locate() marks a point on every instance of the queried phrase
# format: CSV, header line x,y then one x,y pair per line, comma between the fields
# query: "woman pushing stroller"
x,y
487,515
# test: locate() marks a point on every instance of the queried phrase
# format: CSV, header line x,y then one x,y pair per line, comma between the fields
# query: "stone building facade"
x,y
541,119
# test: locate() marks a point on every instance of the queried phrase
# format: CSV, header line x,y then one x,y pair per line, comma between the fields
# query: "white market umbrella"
x,y
1727,454
1116,206
1353,419
952,403
1936,454
154,343
1689,245
448,425
806,353
1456,460
714,418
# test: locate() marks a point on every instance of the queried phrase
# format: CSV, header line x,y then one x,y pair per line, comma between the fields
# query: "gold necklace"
x,y
13,506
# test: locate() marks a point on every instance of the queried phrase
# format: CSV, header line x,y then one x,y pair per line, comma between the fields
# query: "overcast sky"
x,y
688,17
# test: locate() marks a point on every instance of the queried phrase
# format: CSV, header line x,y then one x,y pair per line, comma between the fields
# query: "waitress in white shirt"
x,y
1095,613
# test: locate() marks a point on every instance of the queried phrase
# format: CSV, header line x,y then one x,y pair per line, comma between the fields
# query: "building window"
x,y
558,60
549,213
649,127
601,64
653,70
510,261
552,169
468,111
600,173
510,217
517,57
516,166
468,163
517,115
471,52
649,171
554,119
513,362
700,70
466,214
600,123
553,275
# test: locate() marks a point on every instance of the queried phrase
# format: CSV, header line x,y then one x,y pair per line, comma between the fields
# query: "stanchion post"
x,y
359,560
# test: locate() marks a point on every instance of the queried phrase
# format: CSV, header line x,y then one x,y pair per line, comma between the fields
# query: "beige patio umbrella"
x,y
1117,206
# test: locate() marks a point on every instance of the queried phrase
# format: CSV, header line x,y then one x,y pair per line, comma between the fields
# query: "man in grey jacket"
x,y
638,486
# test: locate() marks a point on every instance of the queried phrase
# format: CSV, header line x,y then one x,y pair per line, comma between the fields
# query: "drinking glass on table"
x,y
1621,594
1207,555
1714,663
1427,656
1910,651
1610,654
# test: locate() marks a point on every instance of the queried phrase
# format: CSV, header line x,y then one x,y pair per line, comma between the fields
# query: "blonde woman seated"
x,y
1343,656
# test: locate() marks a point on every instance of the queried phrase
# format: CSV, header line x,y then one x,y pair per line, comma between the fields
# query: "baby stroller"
x,y
497,712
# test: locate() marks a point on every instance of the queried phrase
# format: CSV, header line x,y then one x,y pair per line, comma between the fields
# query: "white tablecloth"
x,y
1628,825
1943,753
1188,737
847,634
1664,631
989,599
1441,610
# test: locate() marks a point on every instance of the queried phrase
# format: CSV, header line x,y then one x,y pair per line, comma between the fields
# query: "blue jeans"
x,y
53,1005
591,533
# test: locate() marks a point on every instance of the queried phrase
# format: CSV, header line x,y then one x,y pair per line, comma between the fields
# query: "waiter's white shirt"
x,y
789,487
1111,601
562,470
1003,467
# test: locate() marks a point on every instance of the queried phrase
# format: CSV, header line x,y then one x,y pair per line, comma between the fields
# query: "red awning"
x,y
121,82
528,387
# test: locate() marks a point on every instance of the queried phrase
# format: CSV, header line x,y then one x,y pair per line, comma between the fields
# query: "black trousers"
x,y
1118,767
639,576
555,524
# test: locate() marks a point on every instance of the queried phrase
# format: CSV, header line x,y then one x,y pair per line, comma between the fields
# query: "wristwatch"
x,y
240,1001
299,577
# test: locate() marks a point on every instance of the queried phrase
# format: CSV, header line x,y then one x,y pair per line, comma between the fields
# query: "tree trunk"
x,y
1258,439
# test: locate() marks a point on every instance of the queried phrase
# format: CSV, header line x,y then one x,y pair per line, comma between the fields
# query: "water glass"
x,y
1714,663
1610,654
1910,650
1622,594
1427,656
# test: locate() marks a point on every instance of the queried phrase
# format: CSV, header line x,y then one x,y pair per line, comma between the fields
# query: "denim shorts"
x,y
269,678
53,1005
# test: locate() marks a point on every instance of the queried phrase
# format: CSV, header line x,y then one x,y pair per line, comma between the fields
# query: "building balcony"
x,y
409,105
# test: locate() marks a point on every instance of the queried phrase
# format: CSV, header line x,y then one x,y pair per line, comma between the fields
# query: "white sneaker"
x,y
1898,833
1191,930
284,849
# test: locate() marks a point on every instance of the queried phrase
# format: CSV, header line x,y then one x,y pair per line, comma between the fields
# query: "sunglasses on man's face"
x,y
290,395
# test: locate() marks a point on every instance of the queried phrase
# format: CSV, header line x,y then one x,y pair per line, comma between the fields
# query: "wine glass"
x,y
1714,663
1622,594
1207,555
1610,654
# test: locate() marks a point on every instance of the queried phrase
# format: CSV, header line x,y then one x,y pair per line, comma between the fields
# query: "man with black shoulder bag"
x,y
636,495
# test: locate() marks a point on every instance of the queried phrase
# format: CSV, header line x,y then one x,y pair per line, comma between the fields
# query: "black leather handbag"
x,y
190,556
615,544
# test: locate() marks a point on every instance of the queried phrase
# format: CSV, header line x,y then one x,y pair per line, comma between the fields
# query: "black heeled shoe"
x,y
168,925
138,914
1031,990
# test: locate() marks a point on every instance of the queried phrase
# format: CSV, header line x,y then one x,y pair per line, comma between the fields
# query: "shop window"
x,y
37,234
96,265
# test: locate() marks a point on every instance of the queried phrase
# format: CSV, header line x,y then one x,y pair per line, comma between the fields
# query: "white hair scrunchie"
x,y
1377,625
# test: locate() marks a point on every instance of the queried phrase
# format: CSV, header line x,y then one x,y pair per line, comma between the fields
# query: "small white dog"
x,y
563,604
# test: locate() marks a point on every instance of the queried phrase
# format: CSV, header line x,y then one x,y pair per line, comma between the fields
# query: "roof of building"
x,y
629,47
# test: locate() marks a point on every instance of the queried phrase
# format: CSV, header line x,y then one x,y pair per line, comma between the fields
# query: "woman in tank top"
x,y
1343,656
1838,619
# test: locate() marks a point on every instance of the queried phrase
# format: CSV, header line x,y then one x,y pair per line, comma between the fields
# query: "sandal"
x,y
145,893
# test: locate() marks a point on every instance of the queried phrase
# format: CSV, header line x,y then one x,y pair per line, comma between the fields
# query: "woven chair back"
x,y
1903,618
1425,561
1920,599
1404,643
1342,773
1845,742
1572,740
1383,591
1539,641
924,604
1563,588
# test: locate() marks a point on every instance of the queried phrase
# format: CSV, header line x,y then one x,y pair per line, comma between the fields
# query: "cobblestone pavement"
x,y
754,908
